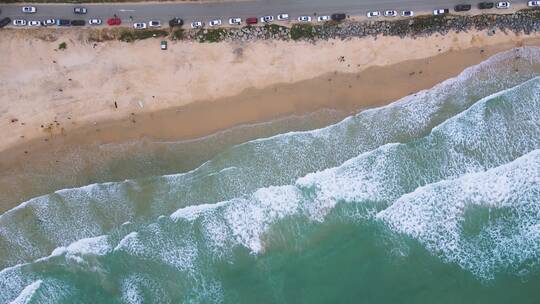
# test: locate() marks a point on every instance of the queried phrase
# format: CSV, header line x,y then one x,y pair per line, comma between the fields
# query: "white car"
x,y
267,19
503,4
19,22
34,23
235,21
139,25
390,13
407,13
154,23
49,22
373,14
196,24
323,18
441,11
533,3
29,9
94,21
282,17
304,18
215,22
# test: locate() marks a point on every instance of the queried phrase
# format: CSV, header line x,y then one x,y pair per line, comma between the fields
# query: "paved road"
x,y
204,11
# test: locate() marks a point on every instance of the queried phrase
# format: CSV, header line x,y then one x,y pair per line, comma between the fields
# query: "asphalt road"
x,y
205,11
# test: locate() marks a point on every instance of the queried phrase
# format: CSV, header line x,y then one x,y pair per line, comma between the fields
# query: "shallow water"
x,y
434,198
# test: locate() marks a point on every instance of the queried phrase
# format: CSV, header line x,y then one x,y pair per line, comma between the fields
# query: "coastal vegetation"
x,y
212,35
302,31
132,35
62,46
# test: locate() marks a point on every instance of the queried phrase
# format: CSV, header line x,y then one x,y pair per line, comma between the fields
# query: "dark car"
x,y
78,22
63,22
462,7
5,22
485,5
80,10
338,16
176,22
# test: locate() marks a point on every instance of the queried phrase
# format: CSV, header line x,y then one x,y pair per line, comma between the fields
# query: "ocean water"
x,y
434,198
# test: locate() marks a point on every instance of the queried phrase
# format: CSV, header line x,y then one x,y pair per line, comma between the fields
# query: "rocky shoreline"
x,y
523,21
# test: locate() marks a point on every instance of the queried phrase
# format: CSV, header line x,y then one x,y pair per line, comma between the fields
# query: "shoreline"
x,y
384,76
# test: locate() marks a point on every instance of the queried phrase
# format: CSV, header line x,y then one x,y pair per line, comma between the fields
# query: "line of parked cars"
x,y
482,6
115,21
268,19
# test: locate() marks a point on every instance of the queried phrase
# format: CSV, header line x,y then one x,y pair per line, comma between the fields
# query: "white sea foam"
x,y
26,295
438,215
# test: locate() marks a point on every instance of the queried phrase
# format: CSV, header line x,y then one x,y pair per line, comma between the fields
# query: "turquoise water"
x,y
432,199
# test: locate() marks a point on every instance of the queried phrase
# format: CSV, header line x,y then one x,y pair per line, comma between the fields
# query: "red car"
x,y
114,21
251,20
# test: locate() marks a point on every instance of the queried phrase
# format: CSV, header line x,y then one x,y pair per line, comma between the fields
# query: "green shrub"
x,y
178,34
62,46
302,31
212,35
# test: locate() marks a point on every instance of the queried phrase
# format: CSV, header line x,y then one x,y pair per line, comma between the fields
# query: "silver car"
x,y
154,23
29,9
49,22
19,22
94,21
139,26
215,22
196,24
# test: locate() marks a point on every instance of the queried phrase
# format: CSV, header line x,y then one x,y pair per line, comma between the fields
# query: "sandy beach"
x,y
109,92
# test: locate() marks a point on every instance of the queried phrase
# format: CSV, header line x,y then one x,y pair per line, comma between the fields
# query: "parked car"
x,y
163,45
235,21
78,22
338,16
441,11
282,17
5,21
177,21
49,22
267,19
407,13
29,9
154,23
304,18
114,21
373,14
503,5
323,18
252,20
462,7
94,21
485,5
34,23
63,22
390,13
79,10
196,24
139,25
215,22
19,22
533,3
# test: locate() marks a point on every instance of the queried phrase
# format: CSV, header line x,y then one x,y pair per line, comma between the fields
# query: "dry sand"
x,y
56,97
